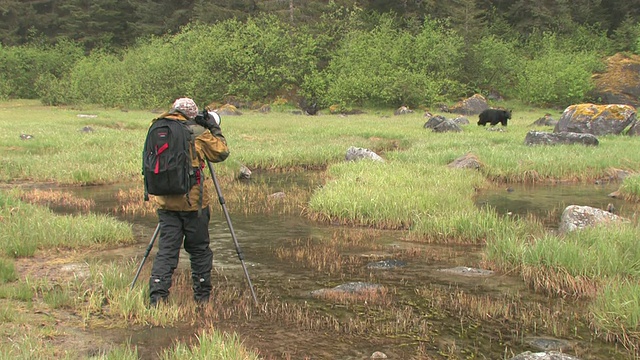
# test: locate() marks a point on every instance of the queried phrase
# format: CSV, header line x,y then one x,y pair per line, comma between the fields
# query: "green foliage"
x,y
386,66
23,65
495,65
555,74
254,60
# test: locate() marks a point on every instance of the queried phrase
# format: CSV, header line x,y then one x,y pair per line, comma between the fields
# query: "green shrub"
x,y
23,65
387,66
555,74
495,65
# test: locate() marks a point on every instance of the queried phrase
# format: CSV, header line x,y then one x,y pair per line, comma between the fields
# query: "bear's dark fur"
x,y
494,116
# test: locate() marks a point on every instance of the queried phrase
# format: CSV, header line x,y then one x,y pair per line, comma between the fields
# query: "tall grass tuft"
x,y
616,312
212,344
630,188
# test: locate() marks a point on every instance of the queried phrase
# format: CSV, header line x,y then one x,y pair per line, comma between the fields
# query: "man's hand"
x,y
209,120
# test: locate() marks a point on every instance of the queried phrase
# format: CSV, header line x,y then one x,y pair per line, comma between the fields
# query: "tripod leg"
x,y
146,254
233,234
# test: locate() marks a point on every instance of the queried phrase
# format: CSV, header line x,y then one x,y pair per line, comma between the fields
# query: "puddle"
x,y
430,314
546,202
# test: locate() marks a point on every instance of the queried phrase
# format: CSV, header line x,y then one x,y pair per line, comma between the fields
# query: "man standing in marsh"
x,y
178,145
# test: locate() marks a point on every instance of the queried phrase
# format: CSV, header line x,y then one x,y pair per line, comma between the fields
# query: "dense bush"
x,y
554,74
495,65
252,61
388,66
22,66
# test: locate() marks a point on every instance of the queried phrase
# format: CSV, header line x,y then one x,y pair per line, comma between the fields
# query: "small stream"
x,y
451,332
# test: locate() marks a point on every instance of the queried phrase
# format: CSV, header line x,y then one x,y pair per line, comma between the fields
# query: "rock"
x,y
378,355
470,106
551,355
447,126
546,138
245,172
467,271
434,121
467,161
355,153
575,217
402,110
386,264
349,288
546,120
549,344
277,195
620,83
596,119
228,109
86,129
461,120
265,109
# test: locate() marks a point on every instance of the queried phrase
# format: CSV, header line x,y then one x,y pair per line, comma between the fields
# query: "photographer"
x,y
185,219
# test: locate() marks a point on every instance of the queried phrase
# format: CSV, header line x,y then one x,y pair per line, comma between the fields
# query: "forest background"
x,y
313,54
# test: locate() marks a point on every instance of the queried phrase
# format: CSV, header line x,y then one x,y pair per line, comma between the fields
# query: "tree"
x,y
97,23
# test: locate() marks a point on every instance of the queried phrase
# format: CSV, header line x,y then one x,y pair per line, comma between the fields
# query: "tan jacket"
x,y
208,146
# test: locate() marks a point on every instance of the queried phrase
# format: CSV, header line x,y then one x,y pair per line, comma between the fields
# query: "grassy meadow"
x,y
413,190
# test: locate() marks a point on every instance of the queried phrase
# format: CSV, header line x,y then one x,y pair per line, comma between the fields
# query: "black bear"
x,y
494,116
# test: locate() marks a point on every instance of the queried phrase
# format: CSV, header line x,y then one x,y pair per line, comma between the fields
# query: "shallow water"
x,y
546,202
451,333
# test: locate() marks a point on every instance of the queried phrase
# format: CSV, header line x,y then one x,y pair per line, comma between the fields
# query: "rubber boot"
x,y
201,287
158,290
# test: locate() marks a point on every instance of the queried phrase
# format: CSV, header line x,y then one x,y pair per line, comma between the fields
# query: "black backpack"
x,y
166,159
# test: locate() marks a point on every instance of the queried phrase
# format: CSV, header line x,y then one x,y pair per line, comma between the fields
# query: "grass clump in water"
x,y
212,344
26,228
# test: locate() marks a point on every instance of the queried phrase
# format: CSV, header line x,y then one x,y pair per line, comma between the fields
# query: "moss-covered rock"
x,y
620,83
596,119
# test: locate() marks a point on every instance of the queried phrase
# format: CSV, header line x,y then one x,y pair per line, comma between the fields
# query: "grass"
x,y
413,190
31,227
211,345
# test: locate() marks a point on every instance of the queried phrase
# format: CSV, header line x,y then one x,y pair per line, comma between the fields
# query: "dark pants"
x,y
176,228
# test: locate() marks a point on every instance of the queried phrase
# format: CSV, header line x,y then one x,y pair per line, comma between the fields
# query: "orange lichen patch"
x,y
621,72
587,112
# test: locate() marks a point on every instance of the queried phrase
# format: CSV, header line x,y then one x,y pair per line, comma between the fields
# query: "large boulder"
x,y
447,126
434,121
575,217
620,83
470,106
596,119
546,120
546,138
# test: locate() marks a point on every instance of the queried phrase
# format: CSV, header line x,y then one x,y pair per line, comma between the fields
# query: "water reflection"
x,y
546,202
